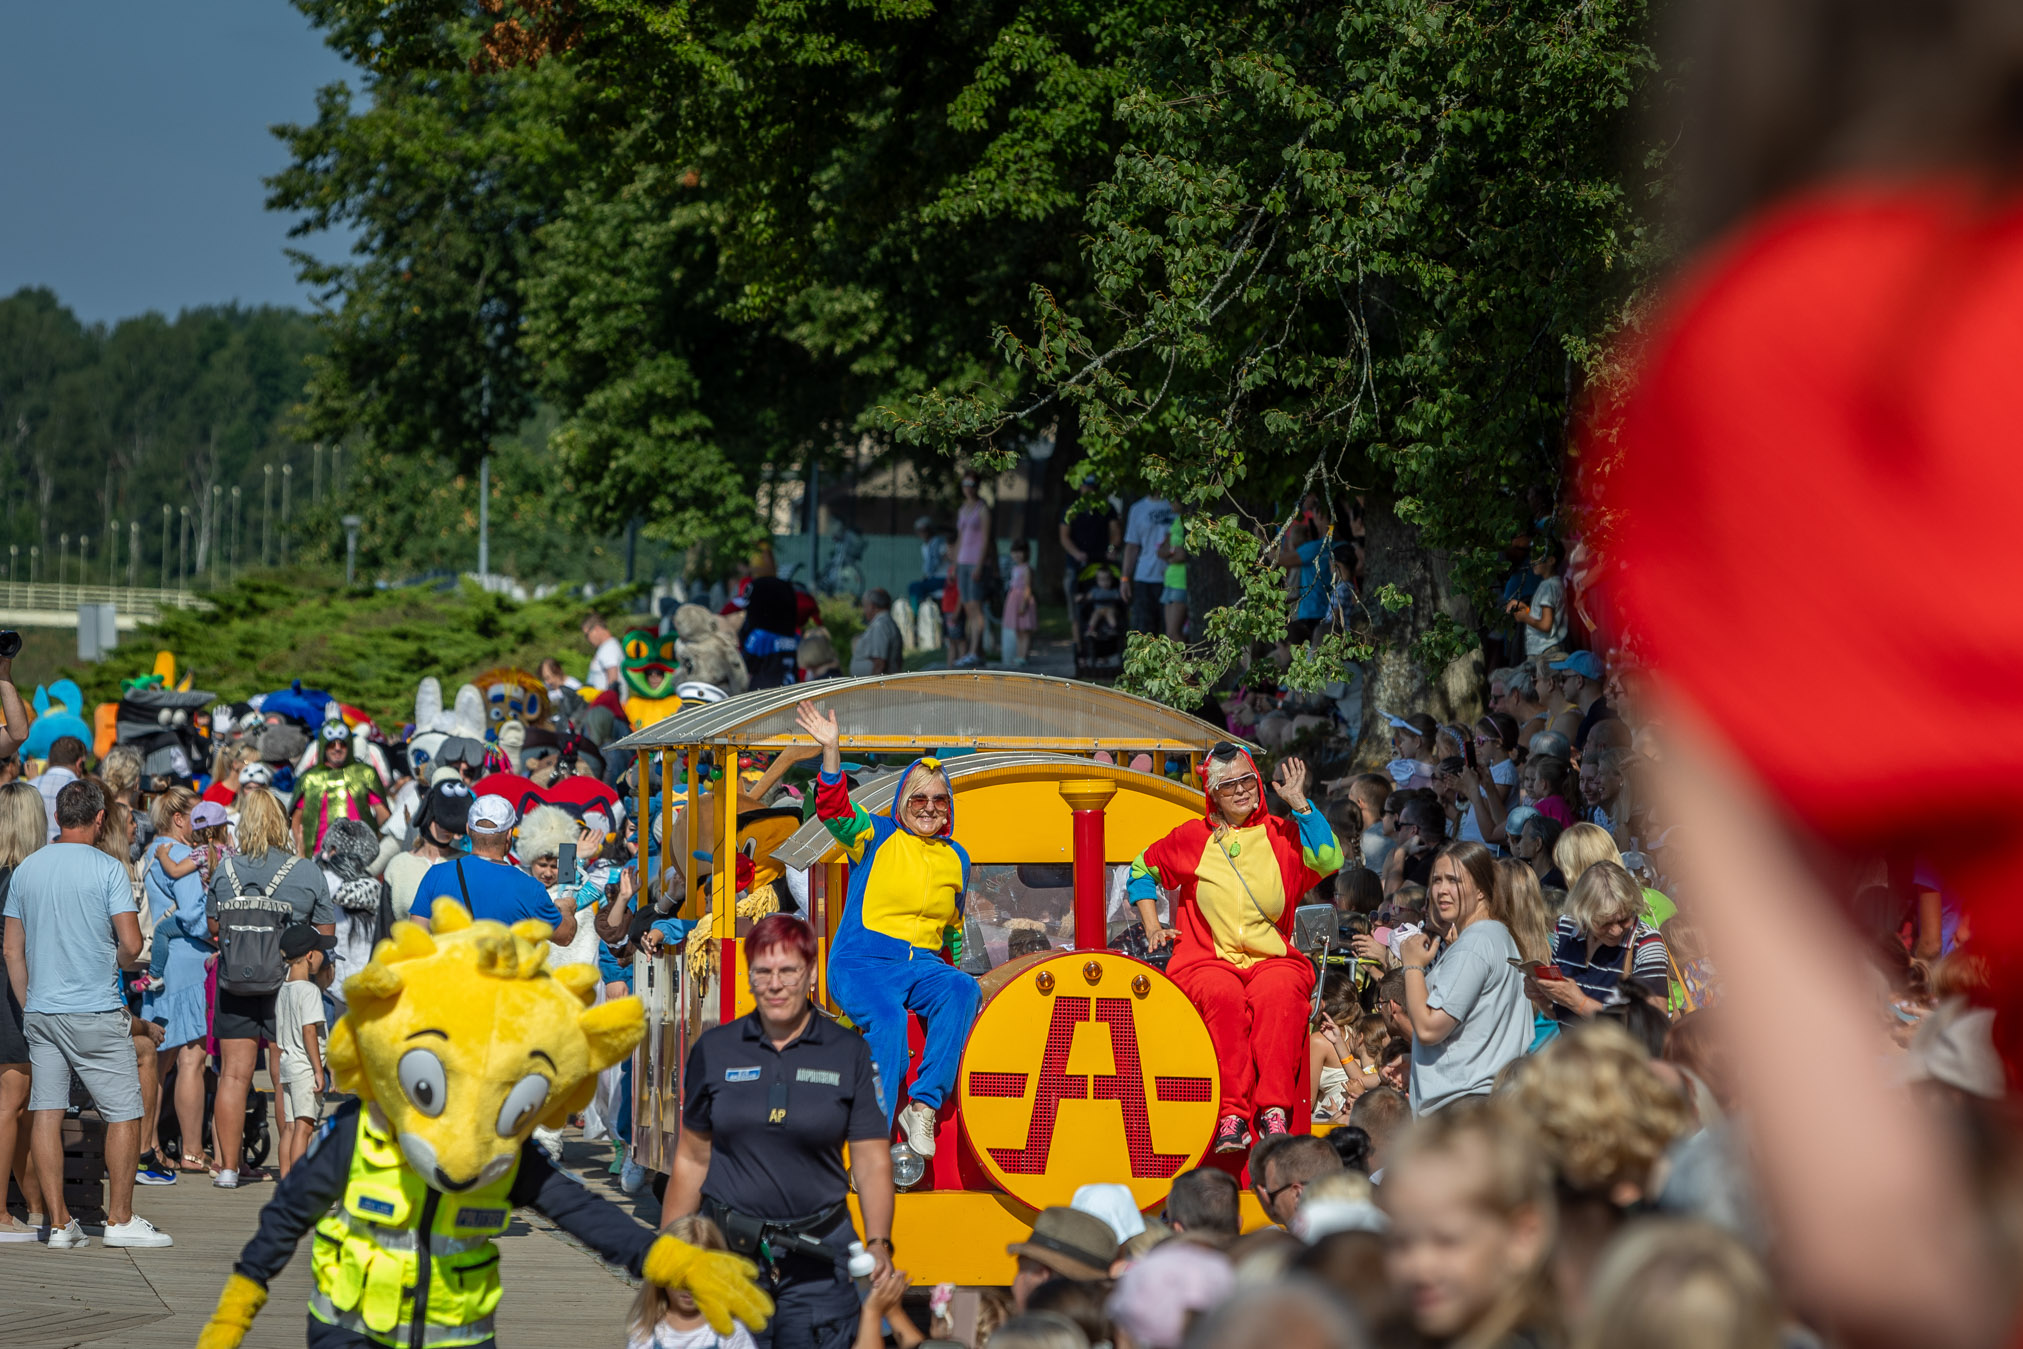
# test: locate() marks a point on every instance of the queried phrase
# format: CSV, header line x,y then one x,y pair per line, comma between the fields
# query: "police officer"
x,y
769,1100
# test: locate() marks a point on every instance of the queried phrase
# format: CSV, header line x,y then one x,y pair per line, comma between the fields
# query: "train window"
x,y
1014,910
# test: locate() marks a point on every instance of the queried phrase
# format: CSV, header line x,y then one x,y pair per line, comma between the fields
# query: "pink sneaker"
x,y
1232,1135
1272,1123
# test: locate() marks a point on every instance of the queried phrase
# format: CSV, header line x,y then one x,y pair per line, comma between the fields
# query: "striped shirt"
x,y
1601,978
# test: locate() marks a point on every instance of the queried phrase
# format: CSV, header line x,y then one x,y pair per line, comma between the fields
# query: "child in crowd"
x,y
298,1017
211,835
1021,611
1464,1182
1106,605
667,1318
1332,1046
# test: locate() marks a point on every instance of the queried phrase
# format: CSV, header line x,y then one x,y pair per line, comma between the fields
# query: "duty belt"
x,y
747,1235
473,1333
406,1239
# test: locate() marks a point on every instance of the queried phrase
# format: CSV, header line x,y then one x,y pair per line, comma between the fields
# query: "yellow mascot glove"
x,y
721,1283
233,1317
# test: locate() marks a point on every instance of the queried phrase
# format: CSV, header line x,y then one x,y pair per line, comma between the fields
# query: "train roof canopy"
x,y
998,710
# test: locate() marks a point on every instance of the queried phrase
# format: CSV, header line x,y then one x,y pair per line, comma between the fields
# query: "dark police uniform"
x,y
777,1121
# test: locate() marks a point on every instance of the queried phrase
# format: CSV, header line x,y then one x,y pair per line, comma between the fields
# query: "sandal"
x,y
194,1165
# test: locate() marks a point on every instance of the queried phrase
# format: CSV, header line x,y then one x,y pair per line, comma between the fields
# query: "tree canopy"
x,y
1224,252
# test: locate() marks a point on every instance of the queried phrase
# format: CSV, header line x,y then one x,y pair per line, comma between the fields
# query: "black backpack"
x,y
250,922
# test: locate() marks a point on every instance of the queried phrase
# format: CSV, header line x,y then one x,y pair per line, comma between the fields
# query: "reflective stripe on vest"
x,y
476,1332
367,1251
403,1239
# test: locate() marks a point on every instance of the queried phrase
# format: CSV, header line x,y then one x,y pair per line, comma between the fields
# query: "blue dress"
x,y
178,906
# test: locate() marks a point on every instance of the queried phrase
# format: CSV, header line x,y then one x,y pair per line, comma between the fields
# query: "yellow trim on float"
x,y
959,1236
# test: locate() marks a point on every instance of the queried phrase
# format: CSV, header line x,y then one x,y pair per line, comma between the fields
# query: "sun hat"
x,y
1070,1242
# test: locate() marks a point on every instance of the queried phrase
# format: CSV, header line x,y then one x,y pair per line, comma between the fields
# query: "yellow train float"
x,y
1084,1064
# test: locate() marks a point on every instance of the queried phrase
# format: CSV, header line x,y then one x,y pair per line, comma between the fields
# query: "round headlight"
x,y
909,1168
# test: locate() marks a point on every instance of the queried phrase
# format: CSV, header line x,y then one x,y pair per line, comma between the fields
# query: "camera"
x,y
10,644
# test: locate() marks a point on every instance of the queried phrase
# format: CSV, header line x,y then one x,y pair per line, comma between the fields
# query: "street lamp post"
x,y
168,514
232,573
62,563
132,556
266,513
183,562
351,524
485,516
287,479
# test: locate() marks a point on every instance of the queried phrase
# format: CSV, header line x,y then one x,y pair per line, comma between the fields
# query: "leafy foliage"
x,y
1227,252
1365,248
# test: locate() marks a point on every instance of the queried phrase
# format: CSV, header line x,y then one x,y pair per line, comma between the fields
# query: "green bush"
x,y
368,648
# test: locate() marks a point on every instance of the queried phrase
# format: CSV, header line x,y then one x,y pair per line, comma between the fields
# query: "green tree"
x,y
1370,248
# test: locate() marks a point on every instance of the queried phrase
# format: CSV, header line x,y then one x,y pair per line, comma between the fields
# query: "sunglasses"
x,y
938,805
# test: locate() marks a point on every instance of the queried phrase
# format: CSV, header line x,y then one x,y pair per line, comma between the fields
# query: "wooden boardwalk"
x,y
557,1293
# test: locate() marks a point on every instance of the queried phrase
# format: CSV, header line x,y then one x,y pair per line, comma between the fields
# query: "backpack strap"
x,y
281,875
232,876
465,889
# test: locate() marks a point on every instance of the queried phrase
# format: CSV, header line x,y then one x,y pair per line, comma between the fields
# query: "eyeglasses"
x,y
931,805
778,978
1271,1196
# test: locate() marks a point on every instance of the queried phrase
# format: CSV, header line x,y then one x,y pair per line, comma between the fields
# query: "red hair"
x,y
780,929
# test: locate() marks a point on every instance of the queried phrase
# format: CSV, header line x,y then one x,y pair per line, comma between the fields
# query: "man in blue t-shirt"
x,y
486,883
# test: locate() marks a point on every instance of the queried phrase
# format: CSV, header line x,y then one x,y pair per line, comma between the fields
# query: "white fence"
x,y
47,605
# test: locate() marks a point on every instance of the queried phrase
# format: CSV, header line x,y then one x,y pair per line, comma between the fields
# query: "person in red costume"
x,y
1815,463
1235,875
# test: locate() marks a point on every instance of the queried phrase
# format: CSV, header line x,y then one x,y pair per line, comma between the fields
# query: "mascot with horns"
x,y
457,1043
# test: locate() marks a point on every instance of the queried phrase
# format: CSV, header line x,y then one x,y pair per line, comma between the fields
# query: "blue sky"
x,y
133,138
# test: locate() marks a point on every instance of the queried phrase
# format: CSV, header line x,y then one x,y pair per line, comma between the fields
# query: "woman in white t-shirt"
x,y
1464,996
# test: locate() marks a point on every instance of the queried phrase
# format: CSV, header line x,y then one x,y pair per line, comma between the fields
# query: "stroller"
x,y
257,1139
1102,620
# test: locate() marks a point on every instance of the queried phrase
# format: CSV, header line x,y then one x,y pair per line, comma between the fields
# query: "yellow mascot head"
x,y
464,1040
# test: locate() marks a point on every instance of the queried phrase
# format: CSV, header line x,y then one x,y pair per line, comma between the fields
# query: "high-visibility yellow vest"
x,y
367,1255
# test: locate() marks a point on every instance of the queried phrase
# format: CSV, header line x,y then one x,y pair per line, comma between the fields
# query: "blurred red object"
x,y
1820,482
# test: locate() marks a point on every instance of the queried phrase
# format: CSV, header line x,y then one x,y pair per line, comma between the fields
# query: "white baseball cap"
x,y
492,814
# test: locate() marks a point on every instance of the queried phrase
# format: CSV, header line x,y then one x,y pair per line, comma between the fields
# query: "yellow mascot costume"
x,y
457,1044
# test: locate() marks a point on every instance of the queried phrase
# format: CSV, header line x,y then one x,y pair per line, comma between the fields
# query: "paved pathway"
x,y
557,1293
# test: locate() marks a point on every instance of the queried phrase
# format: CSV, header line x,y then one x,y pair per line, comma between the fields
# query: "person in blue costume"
x,y
908,877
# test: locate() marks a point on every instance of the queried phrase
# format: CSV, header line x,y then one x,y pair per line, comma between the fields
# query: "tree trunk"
x,y
1394,681
1047,503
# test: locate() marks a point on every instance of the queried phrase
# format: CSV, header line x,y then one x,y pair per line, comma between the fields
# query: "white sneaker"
x,y
136,1231
68,1238
226,1180
633,1178
917,1119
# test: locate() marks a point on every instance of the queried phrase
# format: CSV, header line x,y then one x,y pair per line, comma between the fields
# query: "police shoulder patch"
x,y
822,1075
481,1217
741,1074
382,1207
